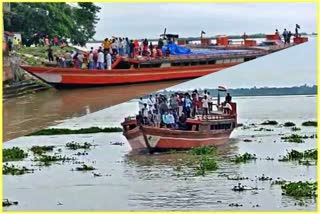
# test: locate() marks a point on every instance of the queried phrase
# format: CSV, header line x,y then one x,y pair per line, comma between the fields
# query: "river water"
x,y
33,112
153,182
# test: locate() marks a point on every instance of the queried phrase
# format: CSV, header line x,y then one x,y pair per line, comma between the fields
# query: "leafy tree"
x,y
75,22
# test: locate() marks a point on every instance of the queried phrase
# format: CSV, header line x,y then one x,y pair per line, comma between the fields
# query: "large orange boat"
x,y
212,131
144,69
141,69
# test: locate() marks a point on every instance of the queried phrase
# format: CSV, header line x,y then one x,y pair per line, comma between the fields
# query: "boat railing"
x,y
205,56
215,116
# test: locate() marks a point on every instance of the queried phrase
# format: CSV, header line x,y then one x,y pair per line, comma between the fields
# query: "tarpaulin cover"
x,y
179,50
176,49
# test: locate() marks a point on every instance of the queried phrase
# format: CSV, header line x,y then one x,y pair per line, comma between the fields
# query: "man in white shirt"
x,y
205,106
100,60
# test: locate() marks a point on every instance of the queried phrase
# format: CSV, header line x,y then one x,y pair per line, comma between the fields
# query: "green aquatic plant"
x,y
289,124
204,150
237,178
294,129
91,130
39,150
294,155
310,123
263,129
269,122
293,138
48,159
264,178
15,170
13,154
279,182
244,158
85,167
206,164
300,189
74,146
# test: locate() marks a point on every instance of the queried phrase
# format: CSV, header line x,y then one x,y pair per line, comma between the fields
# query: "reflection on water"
x,y
167,181
37,111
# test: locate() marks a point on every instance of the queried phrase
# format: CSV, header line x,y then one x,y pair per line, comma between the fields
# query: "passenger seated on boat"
x,y
182,123
227,108
168,120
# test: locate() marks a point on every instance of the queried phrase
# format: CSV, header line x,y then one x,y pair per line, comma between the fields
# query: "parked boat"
x,y
141,69
212,131
144,69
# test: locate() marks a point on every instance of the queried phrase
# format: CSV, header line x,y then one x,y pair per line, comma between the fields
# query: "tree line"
x,y
76,21
264,91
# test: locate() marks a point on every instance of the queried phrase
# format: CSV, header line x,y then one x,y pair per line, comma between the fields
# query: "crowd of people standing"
x,y
286,35
173,112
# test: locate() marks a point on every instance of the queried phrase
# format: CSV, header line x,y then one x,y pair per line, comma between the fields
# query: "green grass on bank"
x,y
90,130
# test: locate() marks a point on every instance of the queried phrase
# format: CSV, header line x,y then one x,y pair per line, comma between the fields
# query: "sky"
x,y
148,20
294,66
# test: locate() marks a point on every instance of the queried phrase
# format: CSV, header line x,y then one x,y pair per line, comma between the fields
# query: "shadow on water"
x,y
33,112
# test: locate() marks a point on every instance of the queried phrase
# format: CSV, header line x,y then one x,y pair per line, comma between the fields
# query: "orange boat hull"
x,y
163,140
64,77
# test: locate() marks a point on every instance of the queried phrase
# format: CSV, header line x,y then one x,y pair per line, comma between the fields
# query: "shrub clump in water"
x,y
294,129
269,122
14,170
295,155
289,124
293,138
244,158
204,150
13,154
300,189
310,123
206,164
39,150
85,167
48,159
74,146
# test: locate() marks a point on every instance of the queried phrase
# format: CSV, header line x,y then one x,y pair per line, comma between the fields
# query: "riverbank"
x,y
17,82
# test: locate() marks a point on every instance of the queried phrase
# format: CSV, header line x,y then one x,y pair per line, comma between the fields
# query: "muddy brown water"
x,y
33,112
154,182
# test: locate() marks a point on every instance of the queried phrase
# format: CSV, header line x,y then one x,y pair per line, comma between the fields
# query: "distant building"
x,y
6,7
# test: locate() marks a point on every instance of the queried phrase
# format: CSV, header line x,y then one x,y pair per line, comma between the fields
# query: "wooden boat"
x,y
212,131
143,69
